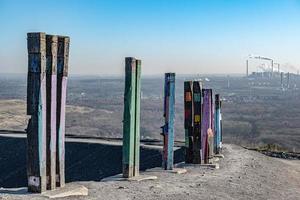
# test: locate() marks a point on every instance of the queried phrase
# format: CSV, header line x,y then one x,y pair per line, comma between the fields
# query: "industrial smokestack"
x,y
272,65
288,80
247,68
281,79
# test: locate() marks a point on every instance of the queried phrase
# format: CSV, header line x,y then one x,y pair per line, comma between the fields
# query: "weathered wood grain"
x,y
188,120
217,138
206,124
36,107
51,85
62,77
168,128
129,117
197,105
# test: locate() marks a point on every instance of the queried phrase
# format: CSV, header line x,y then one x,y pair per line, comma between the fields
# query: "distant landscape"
x,y
256,111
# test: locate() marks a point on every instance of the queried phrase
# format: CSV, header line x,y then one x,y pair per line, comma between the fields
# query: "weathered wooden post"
x,y
131,118
206,132
188,121
168,128
217,124
62,76
36,107
51,80
197,104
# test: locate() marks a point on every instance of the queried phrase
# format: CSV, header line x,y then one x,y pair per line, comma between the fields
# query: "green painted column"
x,y
137,118
131,118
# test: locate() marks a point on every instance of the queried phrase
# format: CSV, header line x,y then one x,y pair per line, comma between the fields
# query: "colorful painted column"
x,y
206,132
197,107
36,108
217,124
188,120
51,80
131,118
62,77
168,128
221,126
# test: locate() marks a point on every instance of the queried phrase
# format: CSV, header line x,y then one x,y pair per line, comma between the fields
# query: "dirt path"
x,y
243,174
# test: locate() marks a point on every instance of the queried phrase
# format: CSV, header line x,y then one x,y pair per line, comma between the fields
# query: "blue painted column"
x,y
168,128
217,124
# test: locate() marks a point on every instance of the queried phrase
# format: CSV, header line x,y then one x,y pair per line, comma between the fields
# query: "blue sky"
x,y
183,36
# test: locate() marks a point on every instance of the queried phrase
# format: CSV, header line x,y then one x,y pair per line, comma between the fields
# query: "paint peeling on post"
x,y
206,132
36,108
51,80
217,124
188,121
168,128
131,118
197,104
62,76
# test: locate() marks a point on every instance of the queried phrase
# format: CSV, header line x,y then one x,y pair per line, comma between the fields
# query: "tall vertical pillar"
x,y
217,124
51,80
168,128
206,132
137,118
188,121
36,108
62,77
131,117
197,107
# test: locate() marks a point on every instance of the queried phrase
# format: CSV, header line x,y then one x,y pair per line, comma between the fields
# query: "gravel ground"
x,y
243,174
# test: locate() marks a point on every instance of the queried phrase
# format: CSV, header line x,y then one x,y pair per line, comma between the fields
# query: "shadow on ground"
x,y
84,161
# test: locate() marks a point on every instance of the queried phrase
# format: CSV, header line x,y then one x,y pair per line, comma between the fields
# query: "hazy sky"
x,y
183,36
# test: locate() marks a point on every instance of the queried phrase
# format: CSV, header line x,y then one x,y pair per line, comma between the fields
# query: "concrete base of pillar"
x,y
219,156
174,170
119,177
67,191
186,165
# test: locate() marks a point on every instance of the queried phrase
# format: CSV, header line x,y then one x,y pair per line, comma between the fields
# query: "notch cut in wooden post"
x,y
188,120
36,108
62,77
51,87
131,118
168,128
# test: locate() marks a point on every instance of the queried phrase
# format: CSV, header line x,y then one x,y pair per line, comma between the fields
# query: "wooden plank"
x,y
206,124
129,117
51,80
217,124
188,121
221,126
197,106
137,118
168,128
62,77
36,107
